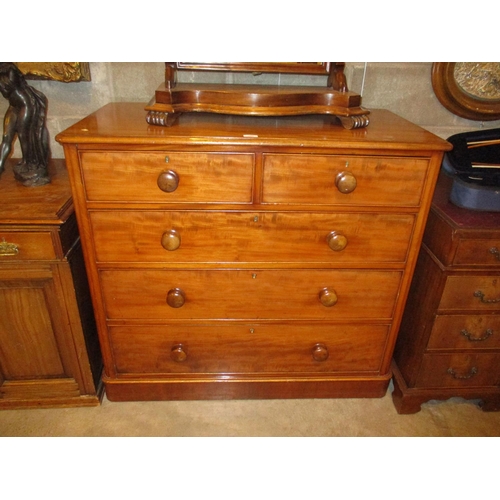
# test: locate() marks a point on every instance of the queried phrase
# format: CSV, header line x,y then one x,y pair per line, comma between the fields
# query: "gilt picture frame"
x,y
58,71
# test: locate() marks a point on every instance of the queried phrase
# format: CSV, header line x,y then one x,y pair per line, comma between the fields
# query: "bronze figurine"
x,y
26,118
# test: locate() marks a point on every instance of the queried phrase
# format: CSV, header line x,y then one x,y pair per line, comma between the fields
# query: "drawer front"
x,y
465,332
471,293
26,246
249,294
189,237
249,348
484,252
185,178
459,370
318,180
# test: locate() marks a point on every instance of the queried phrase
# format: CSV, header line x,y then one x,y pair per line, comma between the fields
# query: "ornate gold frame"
x,y
59,71
471,103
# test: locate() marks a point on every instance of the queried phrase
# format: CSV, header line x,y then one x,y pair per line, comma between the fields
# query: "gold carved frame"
x,y
59,71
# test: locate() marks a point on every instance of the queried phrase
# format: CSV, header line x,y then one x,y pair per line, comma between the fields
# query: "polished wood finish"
x,y
49,352
172,98
449,344
255,277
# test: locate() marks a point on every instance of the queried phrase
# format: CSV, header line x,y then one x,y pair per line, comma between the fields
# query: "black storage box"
x,y
474,164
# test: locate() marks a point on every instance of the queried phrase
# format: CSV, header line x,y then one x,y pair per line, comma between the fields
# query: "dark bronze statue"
x,y
26,118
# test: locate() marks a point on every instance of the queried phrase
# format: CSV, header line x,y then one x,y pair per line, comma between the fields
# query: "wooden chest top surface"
x,y
125,123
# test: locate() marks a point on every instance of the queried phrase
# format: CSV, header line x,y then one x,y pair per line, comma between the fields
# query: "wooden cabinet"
x,y
449,343
49,351
248,257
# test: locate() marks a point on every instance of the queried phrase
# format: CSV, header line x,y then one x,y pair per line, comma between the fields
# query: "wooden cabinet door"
x,y
38,358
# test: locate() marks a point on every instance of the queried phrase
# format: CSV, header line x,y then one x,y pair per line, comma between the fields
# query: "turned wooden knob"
x,y
178,353
328,297
336,241
170,240
345,182
168,181
176,298
320,352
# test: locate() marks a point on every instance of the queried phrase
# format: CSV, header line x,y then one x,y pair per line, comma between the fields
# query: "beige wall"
x,y
404,88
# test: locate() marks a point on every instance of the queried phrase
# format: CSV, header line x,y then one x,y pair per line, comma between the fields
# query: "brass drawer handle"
x,y
171,240
7,249
336,241
168,181
176,298
488,333
320,352
495,252
480,295
455,375
178,353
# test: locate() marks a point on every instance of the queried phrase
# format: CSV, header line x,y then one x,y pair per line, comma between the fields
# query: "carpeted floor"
x,y
269,418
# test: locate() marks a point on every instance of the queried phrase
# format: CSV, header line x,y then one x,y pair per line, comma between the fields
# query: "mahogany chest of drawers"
x,y
449,344
49,350
249,257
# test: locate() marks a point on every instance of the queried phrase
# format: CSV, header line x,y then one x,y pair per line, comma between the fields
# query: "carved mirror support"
x,y
173,98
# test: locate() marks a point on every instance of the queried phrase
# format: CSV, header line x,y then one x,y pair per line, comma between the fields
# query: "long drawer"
x,y
357,180
459,370
168,177
471,292
248,348
249,294
161,236
465,332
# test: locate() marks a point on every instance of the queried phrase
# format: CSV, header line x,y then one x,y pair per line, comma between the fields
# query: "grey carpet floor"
x,y
266,418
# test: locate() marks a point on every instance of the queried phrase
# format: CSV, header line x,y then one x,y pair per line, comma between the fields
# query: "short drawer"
x,y
471,292
26,246
249,294
168,177
331,180
477,252
465,332
248,348
160,236
459,370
